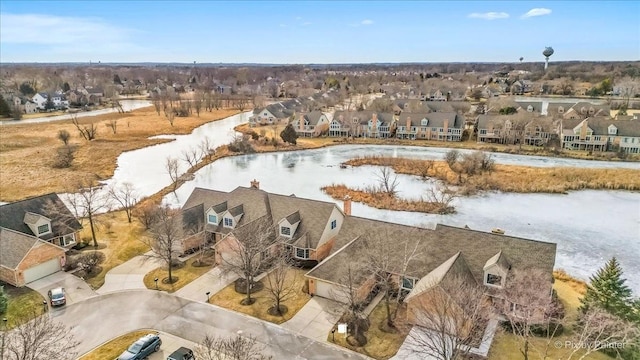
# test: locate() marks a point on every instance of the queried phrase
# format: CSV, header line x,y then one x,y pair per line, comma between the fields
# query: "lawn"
x,y
122,240
27,151
228,298
115,347
506,346
380,344
186,274
24,304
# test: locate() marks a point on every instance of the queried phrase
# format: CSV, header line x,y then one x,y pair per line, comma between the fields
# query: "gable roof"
x,y
437,246
15,246
12,215
455,267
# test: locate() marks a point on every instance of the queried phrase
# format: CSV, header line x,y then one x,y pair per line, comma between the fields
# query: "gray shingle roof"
x,y
12,215
14,246
438,245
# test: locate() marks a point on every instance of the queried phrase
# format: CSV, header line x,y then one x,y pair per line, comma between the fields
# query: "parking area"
x,y
170,344
76,289
316,318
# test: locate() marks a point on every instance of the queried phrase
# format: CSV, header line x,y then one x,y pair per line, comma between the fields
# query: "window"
x,y
424,122
43,229
302,253
68,240
228,222
286,231
213,219
493,279
408,283
334,224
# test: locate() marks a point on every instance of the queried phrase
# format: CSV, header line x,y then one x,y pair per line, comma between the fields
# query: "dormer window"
x,y
493,279
302,253
228,222
424,122
495,270
529,108
43,229
408,283
285,231
213,219
612,130
560,109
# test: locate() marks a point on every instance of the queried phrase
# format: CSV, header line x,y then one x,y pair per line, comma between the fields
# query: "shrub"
x,y
4,300
241,144
90,260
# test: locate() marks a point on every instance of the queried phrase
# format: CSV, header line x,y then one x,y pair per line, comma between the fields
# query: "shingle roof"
x,y
438,245
14,246
436,119
12,215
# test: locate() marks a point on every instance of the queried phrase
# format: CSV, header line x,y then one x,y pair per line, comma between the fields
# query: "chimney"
x,y
301,123
583,129
446,129
255,184
347,205
408,123
374,123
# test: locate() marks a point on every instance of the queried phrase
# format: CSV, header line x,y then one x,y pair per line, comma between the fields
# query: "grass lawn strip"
x,y
112,349
24,304
228,298
380,345
186,274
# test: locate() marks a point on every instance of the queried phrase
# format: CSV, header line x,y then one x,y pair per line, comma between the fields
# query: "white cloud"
x,y
366,22
58,30
536,12
489,15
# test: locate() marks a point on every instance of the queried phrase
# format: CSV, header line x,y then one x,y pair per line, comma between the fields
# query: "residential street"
x,y
101,318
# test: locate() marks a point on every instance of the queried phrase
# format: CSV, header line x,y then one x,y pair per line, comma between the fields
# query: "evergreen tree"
x,y
4,301
289,134
608,291
5,110
49,104
66,87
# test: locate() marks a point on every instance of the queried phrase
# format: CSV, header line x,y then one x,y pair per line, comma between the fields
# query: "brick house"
x,y
34,235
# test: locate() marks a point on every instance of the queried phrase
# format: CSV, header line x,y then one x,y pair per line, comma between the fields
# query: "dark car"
x,y
57,297
142,348
182,353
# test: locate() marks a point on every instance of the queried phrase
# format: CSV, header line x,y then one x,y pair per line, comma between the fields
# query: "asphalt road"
x,y
101,318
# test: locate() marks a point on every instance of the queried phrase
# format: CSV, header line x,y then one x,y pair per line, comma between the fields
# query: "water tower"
x,y
548,51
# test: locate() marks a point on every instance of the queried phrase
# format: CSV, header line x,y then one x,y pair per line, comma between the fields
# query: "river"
x,y
589,226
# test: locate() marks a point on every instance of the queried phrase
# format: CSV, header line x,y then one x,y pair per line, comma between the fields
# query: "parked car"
x,y
182,353
142,348
57,297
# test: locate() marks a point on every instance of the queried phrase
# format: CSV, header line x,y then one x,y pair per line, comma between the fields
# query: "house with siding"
x,y
34,235
601,134
507,129
439,126
312,124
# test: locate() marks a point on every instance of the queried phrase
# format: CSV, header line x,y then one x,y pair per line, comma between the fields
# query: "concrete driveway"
x,y
212,281
316,319
129,275
76,290
101,318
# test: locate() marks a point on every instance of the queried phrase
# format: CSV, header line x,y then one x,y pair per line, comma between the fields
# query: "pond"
x,y
588,226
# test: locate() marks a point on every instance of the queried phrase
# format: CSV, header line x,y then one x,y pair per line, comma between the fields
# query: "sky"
x,y
303,32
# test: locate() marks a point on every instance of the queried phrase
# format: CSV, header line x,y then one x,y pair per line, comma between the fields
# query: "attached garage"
x,y
329,291
39,271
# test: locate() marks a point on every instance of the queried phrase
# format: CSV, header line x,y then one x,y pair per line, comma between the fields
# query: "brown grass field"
x,y
521,179
27,151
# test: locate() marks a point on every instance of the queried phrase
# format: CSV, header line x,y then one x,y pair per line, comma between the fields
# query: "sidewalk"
x,y
129,275
212,281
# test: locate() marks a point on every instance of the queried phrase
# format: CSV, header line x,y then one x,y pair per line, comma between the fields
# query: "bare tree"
x,y
198,99
157,103
347,294
385,259
64,136
146,213
598,330
207,149
233,348
113,125
387,181
243,252
452,158
170,115
88,132
126,196
87,203
281,283
443,196
191,156
171,166
528,305
454,314
39,338
166,233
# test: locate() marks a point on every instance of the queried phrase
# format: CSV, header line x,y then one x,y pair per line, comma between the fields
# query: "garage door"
x,y
330,291
39,271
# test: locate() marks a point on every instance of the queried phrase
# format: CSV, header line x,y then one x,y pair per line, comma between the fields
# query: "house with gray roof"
x,y
312,124
35,234
439,126
601,134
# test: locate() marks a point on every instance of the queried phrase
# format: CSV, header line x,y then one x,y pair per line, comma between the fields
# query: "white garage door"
x,y
39,271
330,291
